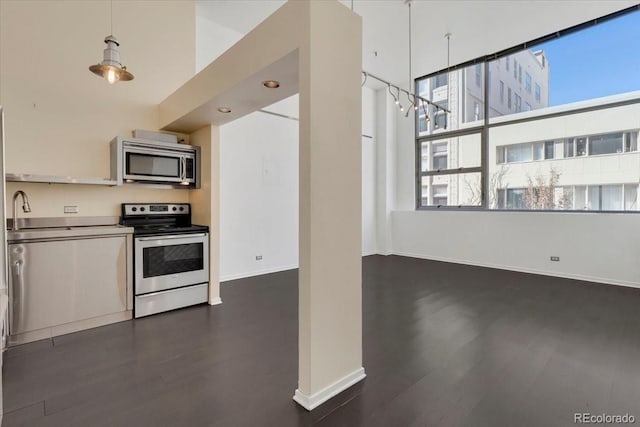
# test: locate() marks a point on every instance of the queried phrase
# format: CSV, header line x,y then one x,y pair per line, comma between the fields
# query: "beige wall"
x,y
206,201
60,118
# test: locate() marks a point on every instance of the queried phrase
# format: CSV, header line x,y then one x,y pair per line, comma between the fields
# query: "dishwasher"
x,y
67,279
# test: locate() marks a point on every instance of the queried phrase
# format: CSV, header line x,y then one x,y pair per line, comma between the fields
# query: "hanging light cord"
x,y
111,12
448,36
410,74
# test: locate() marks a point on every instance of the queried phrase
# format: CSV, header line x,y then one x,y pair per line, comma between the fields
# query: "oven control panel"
x,y
131,209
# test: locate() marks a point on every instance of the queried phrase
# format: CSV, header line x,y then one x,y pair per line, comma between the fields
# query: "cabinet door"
x,y
57,282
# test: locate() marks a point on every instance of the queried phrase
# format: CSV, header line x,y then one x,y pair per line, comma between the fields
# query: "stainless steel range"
x,y
171,257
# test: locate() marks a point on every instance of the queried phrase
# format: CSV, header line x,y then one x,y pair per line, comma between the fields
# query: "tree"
x,y
540,192
496,182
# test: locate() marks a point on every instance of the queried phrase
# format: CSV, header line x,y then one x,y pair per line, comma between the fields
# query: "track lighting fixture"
x,y
414,99
395,99
424,110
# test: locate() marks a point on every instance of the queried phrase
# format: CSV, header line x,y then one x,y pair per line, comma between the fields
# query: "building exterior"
x,y
587,160
519,82
583,161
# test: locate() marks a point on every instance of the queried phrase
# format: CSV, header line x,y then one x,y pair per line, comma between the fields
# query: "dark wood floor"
x,y
444,345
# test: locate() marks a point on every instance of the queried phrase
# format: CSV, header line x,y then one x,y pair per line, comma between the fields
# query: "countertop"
x,y
27,234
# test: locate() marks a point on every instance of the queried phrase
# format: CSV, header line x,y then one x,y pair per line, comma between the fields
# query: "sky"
x,y
599,61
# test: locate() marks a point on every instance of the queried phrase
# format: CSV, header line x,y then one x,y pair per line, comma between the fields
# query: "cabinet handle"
x,y
18,285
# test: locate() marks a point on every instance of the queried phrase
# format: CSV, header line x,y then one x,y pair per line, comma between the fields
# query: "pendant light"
x,y
111,67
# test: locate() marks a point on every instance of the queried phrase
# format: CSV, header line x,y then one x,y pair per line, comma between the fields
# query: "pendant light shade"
x,y
111,68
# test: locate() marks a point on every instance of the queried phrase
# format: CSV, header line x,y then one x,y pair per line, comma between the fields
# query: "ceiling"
x,y
477,27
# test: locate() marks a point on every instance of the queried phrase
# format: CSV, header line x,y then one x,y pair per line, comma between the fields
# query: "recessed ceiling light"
x,y
224,109
271,84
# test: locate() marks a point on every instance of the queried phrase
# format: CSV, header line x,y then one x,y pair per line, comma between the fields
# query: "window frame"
x,y
483,129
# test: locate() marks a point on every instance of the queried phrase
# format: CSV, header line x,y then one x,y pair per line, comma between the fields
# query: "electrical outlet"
x,y
70,209
555,258
258,257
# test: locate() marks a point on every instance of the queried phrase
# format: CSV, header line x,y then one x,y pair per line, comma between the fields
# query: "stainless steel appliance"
x,y
64,278
171,257
136,160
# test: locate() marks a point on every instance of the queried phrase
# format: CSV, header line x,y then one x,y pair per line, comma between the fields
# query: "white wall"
x,y
597,247
369,173
258,195
259,190
212,39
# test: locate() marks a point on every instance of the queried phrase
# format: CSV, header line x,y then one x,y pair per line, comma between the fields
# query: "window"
x,y
515,198
439,194
423,124
631,141
440,80
520,73
605,144
576,157
631,197
519,153
437,91
538,151
439,117
569,148
549,150
581,146
542,150
439,153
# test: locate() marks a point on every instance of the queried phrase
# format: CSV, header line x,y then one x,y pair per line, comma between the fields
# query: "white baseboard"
x,y
317,399
215,301
596,279
228,277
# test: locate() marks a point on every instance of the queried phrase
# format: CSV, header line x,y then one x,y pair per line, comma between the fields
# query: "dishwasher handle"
x,y
19,294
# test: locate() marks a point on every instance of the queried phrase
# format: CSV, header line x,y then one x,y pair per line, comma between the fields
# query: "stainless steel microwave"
x,y
135,160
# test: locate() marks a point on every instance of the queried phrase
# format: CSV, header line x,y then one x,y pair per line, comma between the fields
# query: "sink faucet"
x,y
25,207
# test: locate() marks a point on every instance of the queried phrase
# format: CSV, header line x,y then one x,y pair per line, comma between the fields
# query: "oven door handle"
x,y
176,236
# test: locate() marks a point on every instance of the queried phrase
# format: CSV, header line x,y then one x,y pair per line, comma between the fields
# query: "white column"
x,y
330,281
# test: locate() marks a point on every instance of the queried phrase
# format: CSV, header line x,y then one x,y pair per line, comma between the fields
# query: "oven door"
x,y
167,262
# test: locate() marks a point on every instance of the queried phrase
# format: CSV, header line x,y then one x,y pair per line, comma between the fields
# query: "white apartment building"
x,y
593,155
518,82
